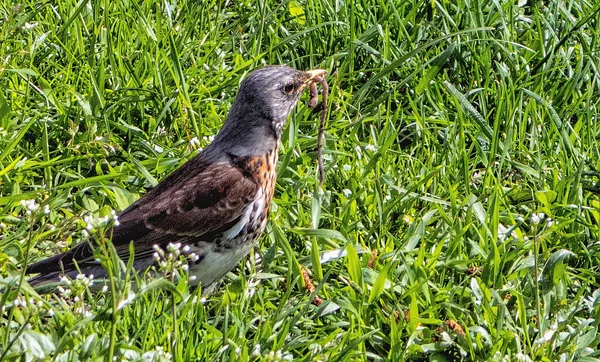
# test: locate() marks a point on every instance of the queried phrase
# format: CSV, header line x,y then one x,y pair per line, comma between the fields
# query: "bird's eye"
x,y
289,88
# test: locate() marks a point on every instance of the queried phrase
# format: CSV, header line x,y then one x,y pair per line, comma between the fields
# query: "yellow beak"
x,y
312,74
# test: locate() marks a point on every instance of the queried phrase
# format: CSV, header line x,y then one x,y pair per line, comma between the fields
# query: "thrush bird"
x,y
216,205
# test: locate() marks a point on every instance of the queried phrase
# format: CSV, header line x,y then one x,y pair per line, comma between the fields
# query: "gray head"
x,y
264,101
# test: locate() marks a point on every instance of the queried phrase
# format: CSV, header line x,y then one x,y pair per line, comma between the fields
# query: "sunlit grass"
x,y
459,215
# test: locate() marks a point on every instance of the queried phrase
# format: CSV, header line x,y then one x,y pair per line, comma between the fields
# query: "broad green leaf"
x,y
554,269
354,265
379,284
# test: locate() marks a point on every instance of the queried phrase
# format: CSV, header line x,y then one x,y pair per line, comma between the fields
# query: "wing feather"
x,y
196,202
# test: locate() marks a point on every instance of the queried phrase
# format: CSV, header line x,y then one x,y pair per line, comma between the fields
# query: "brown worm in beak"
x,y
314,95
314,98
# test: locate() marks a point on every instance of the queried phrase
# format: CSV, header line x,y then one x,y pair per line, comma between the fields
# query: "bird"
x,y
216,204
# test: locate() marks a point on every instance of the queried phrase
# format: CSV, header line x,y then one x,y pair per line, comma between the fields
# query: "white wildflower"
x,y
28,25
29,205
522,357
370,147
194,142
346,168
173,247
536,218
347,192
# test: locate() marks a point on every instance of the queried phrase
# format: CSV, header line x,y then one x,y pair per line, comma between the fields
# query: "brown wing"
x,y
193,203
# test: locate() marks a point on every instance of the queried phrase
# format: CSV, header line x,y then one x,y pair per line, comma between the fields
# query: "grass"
x,y
458,220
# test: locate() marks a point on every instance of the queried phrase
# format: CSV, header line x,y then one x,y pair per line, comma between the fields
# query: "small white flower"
x,y
549,222
370,147
536,218
194,142
173,247
46,209
347,168
2,225
192,278
186,249
347,192
256,350
30,205
185,267
156,256
28,25
105,289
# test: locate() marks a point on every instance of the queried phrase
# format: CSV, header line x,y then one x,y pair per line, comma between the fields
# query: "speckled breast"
x,y
264,171
254,219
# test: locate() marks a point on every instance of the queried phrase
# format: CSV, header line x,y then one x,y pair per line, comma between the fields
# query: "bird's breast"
x,y
263,170
236,242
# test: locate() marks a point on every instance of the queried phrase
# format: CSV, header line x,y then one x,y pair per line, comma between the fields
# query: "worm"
x,y
314,98
314,95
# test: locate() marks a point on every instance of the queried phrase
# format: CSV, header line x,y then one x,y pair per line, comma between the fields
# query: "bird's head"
x,y
264,101
275,90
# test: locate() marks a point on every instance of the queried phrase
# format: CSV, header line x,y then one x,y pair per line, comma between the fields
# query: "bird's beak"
x,y
312,74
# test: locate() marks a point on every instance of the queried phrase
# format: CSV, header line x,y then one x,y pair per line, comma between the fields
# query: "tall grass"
x,y
458,220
